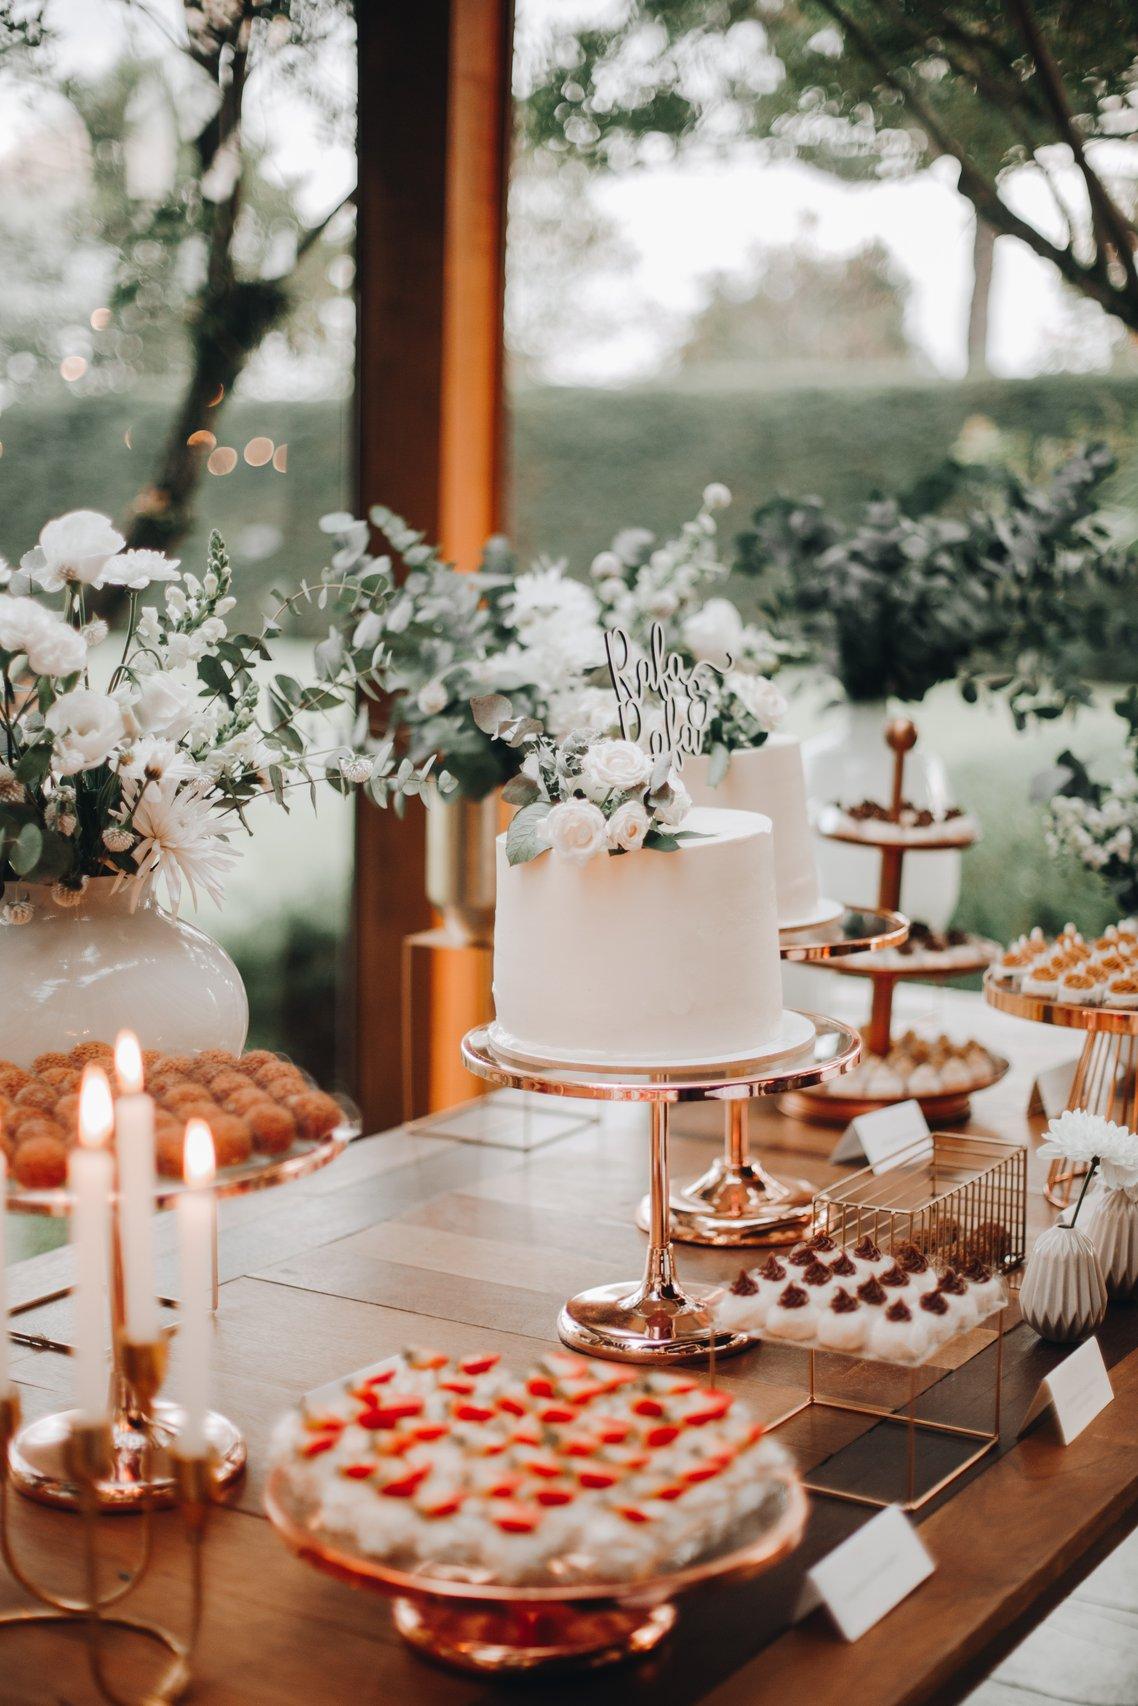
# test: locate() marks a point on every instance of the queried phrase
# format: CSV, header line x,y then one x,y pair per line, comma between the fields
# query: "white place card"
x,y
1051,1089
880,1136
1075,1392
868,1574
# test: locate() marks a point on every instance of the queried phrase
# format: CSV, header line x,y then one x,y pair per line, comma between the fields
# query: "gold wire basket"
x,y
957,1197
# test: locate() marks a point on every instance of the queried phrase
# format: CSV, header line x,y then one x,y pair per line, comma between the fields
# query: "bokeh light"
x,y
280,459
258,451
223,460
73,367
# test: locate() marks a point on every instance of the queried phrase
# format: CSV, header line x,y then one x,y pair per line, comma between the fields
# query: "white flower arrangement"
x,y
585,795
1090,1140
1101,831
137,765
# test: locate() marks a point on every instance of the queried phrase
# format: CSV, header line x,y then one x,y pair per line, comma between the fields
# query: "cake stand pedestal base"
x,y
507,1638
656,1323
38,1460
738,1206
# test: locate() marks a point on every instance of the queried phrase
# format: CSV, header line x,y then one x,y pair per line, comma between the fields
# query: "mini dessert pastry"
x,y
577,1471
893,1306
1069,969
932,950
913,823
258,1102
918,1066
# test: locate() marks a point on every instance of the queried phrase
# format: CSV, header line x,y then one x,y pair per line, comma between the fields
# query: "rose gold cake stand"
x,y
142,1471
737,1201
486,1626
656,1320
1106,1076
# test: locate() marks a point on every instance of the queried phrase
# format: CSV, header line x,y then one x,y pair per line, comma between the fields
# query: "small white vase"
x,y
74,974
1110,1221
1063,1296
848,762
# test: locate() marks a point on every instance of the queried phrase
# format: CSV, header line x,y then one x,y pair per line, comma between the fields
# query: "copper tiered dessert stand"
x,y
1106,1075
656,1320
737,1201
893,840
142,1470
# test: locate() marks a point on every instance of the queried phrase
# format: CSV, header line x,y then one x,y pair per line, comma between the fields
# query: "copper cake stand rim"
x,y
237,1181
480,1057
915,973
1042,1010
766,1550
890,930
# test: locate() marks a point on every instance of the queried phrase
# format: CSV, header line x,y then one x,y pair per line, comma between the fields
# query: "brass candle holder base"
x,y
140,1470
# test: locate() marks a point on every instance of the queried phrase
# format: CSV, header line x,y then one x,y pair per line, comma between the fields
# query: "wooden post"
x,y
434,123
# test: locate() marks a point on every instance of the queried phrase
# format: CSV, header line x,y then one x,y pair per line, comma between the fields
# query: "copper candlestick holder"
x,y
1106,1076
894,840
89,1451
657,1320
737,1201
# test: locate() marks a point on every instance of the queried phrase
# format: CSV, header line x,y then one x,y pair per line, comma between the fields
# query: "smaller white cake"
x,y
769,779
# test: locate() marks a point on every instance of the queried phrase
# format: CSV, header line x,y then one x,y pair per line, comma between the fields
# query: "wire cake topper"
x,y
683,694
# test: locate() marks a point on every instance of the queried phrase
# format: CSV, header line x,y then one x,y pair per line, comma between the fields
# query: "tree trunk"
x,y
979,304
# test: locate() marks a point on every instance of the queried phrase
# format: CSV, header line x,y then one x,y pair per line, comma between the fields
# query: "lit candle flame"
x,y
96,1108
199,1162
128,1063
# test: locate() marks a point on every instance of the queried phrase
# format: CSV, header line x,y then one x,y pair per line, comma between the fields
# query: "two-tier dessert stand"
x,y
1106,1075
142,1472
894,841
657,1320
737,1201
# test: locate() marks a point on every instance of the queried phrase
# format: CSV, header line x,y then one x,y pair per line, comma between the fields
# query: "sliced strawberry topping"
x,y
647,1406
547,1467
430,1430
479,1364
554,1495
465,1410
609,1430
512,1404
404,1485
539,1386
494,1448
440,1504
711,1407
517,1519
702,1472
632,1513
679,1384
393,1445
427,1359
581,1445
380,1379
357,1471
393,1411
673,1490
528,1434
324,1424
555,1413
313,1447
636,1460
597,1477
457,1383
663,1435
505,1488
581,1391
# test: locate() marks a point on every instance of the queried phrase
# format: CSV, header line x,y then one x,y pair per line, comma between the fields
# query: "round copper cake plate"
x,y
656,1320
141,1472
737,1201
487,1627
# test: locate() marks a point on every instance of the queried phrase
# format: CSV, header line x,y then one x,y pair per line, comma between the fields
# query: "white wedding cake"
x,y
769,779
648,958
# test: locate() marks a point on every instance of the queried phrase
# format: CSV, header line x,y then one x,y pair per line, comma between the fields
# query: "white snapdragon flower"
x,y
136,570
614,766
605,565
183,649
760,698
51,645
87,727
576,831
716,495
628,826
76,547
713,634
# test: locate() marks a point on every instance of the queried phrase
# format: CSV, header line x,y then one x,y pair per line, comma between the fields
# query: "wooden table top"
x,y
414,1239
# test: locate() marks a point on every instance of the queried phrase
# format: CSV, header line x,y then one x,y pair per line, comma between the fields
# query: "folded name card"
x,y
879,1137
1051,1089
868,1574
1075,1392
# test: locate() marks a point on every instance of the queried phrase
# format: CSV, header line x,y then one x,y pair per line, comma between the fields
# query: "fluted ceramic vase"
x,y
1110,1220
1063,1296
80,973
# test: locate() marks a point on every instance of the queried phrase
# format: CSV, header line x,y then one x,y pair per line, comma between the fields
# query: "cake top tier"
x,y
711,826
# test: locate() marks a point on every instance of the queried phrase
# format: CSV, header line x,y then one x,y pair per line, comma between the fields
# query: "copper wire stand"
x,y
1106,1076
737,1201
893,844
987,1439
142,1466
88,1449
656,1320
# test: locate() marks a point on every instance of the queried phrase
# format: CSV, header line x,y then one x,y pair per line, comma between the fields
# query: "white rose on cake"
x,y
614,767
672,811
760,698
576,830
714,633
627,827
87,727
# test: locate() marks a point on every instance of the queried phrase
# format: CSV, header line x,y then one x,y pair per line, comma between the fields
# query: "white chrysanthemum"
x,y
176,839
1077,1135
151,757
51,646
74,547
138,569
547,592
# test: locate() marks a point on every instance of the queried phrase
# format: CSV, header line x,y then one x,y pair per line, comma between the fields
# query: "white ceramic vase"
x,y
1063,1296
73,974
1110,1221
849,761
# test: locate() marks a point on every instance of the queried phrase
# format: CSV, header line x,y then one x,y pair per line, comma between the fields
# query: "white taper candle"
x,y
195,1233
134,1148
90,1175
5,1377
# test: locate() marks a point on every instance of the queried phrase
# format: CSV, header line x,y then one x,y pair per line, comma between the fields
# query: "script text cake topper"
x,y
683,694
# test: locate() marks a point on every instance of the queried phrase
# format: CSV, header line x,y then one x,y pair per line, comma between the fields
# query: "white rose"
x,y
760,698
604,565
576,831
716,496
51,646
431,698
73,547
137,569
87,728
678,807
713,633
614,766
163,705
628,826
